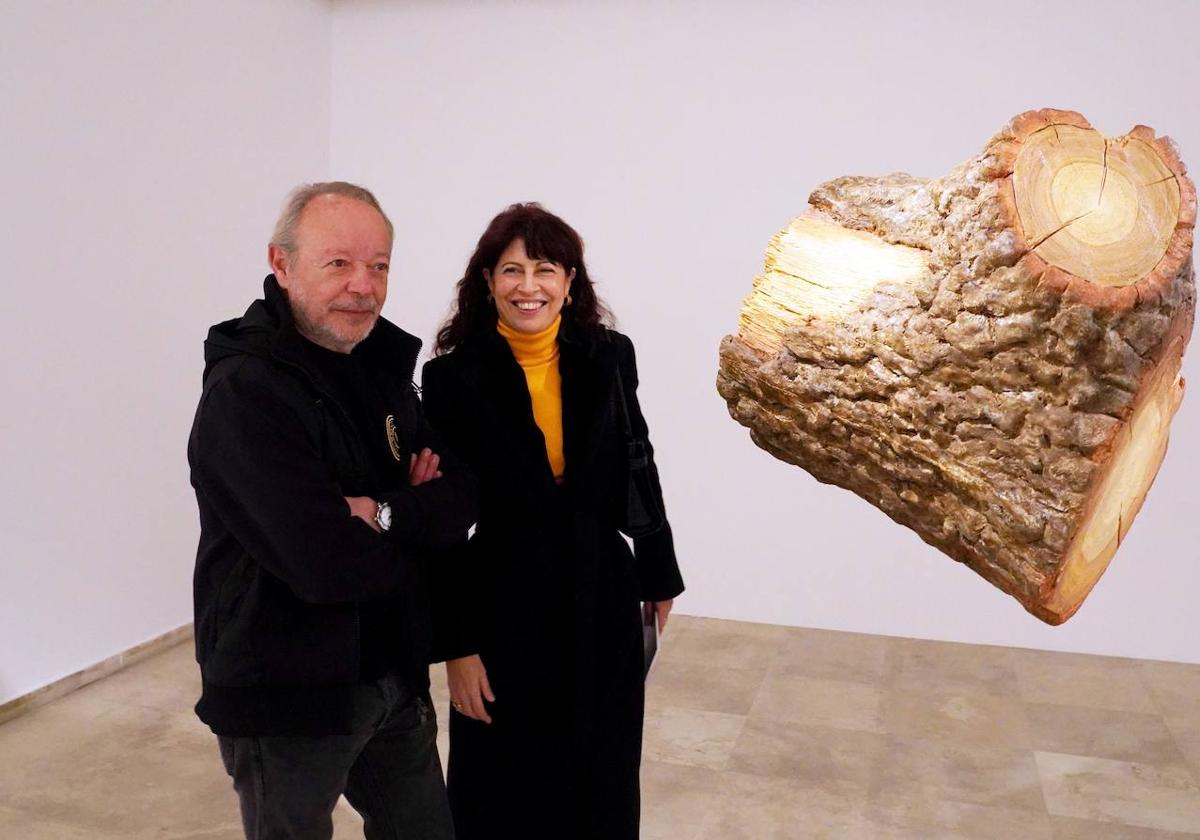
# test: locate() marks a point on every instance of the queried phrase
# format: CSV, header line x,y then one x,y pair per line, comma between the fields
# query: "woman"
x,y
541,627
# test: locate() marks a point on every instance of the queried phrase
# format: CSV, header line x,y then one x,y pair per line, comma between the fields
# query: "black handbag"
x,y
643,512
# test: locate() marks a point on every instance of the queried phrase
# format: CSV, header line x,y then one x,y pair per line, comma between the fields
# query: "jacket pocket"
x,y
297,643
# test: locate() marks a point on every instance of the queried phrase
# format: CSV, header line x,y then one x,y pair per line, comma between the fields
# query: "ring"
x,y
457,706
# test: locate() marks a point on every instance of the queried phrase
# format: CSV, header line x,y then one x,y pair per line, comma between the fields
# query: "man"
x,y
323,498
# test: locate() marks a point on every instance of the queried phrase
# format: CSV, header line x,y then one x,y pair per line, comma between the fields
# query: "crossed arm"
x,y
422,467
257,469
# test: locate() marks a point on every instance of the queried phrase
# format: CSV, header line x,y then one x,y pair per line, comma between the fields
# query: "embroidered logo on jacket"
x,y
393,438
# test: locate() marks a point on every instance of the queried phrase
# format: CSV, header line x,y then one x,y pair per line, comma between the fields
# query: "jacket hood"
x,y
267,330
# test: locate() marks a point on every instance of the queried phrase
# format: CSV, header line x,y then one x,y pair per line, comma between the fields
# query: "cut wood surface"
x,y
991,357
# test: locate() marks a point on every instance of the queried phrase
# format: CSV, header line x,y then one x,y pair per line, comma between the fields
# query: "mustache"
x,y
357,303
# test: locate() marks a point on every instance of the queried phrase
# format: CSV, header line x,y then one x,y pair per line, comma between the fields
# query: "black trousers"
x,y
388,768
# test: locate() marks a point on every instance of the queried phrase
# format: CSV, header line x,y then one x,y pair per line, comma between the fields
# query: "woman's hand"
x,y
662,609
469,687
423,467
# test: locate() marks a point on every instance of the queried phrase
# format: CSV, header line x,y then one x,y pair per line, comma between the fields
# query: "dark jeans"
x,y
388,769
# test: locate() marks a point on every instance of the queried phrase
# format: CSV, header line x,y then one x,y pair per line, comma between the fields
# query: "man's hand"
x,y
423,467
468,682
364,508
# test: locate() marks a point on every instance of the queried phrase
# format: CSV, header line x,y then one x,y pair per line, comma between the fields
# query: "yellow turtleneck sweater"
x,y
537,354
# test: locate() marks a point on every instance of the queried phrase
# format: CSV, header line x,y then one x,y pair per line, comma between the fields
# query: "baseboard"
x,y
40,697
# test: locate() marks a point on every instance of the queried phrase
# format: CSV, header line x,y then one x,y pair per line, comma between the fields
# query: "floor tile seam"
x,y
721,765
1026,803
1192,795
881,771
763,700
1088,822
698,708
1184,767
1155,701
958,654
1095,706
1180,758
1030,683
1177,665
824,676
919,683
763,717
944,826
777,670
773,634
947,796
667,707
907,741
731,776
678,762
827,677
714,667
965,744
817,728
768,687
859,787
692,637
1171,832
1164,708
943,694
1191,757
1159,716
669,665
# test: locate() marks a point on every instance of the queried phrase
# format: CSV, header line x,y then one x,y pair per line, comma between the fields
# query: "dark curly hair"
x,y
546,237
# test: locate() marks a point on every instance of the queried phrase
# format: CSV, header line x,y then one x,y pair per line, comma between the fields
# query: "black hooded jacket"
x,y
284,574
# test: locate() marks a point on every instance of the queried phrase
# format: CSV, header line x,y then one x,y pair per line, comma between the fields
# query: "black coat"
x,y
286,579
548,593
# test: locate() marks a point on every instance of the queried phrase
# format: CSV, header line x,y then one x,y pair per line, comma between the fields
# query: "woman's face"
x,y
529,293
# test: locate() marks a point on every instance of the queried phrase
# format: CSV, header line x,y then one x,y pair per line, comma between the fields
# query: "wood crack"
x,y
1171,177
1060,229
1103,176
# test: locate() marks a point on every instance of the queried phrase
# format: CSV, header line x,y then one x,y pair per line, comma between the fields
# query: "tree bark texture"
x,y
991,357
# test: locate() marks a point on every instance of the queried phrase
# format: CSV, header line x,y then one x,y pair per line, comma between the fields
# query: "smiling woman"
x,y
529,293
521,235
540,617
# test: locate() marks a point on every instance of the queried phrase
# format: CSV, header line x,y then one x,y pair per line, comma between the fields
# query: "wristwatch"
x,y
383,516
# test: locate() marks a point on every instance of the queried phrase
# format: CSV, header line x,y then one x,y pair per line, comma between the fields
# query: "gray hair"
x,y
284,235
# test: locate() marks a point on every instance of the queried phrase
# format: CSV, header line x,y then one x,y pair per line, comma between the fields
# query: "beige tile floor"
x,y
752,731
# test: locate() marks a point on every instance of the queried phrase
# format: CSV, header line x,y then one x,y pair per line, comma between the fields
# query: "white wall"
x,y
146,148
677,137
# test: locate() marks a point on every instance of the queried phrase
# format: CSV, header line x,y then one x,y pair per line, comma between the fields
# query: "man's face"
x,y
336,278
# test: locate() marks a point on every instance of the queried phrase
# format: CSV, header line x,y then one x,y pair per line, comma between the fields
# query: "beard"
x,y
325,326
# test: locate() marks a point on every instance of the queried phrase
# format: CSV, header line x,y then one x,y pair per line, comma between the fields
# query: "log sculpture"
x,y
991,357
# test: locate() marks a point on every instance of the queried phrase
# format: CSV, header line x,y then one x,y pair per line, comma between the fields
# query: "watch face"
x,y
384,516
